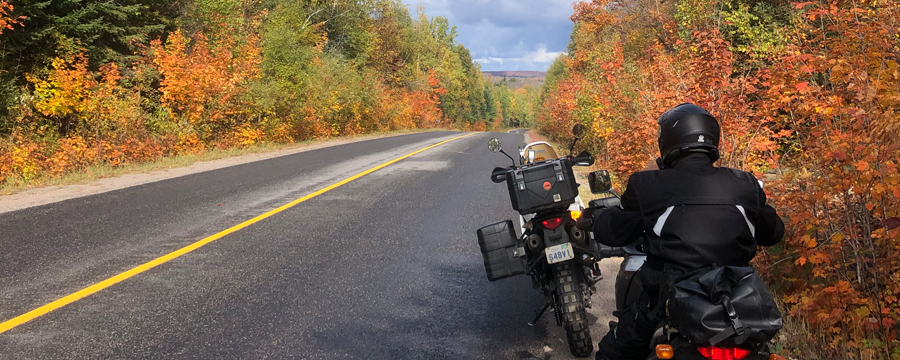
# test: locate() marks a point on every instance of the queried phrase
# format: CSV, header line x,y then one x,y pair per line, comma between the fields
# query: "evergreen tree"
x,y
487,106
105,30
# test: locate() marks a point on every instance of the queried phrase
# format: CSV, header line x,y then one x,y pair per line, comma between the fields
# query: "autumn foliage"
x,y
6,20
808,98
233,74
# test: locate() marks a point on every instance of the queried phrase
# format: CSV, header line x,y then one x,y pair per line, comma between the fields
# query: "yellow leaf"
x,y
837,237
810,242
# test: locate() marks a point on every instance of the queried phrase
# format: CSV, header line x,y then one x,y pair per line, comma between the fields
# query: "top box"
x,y
542,186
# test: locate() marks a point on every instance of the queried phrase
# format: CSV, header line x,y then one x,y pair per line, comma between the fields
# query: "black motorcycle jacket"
x,y
692,215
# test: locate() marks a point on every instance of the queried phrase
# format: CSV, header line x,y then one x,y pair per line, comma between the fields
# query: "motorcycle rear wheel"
x,y
570,297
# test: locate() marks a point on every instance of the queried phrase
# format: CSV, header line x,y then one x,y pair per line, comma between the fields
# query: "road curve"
x,y
385,266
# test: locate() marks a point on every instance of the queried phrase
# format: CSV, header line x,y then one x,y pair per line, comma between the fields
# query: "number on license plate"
x,y
559,253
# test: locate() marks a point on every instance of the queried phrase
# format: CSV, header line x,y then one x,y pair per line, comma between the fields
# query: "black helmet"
x,y
687,128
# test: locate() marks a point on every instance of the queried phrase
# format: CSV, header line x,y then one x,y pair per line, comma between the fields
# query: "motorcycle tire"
x,y
570,281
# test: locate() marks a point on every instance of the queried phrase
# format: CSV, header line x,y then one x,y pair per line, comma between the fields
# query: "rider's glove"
x,y
585,223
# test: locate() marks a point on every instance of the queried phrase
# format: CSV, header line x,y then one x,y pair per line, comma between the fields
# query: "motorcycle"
x,y
668,342
551,250
556,250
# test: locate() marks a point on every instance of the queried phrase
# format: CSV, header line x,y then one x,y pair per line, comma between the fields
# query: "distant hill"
x,y
517,79
517,74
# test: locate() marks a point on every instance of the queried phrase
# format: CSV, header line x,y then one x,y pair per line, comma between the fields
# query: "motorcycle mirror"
x,y
531,156
494,145
579,131
600,182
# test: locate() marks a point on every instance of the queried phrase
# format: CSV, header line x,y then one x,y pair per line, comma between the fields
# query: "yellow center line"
x,y
26,317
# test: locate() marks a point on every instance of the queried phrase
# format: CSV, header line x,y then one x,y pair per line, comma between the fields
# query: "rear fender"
x,y
555,237
578,205
632,264
628,282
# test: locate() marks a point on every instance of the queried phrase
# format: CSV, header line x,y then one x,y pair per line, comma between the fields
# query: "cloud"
x,y
537,59
490,60
507,34
541,55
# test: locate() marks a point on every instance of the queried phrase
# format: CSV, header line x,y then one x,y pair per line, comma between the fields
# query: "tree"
x,y
105,30
488,109
806,97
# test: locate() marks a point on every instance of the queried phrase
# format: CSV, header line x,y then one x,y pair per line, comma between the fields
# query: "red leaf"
x,y
802,85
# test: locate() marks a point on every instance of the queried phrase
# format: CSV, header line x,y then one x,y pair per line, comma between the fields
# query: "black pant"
x,y
631,338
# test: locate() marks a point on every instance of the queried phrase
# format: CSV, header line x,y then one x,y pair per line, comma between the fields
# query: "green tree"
x,y
106,30
556,72
488,109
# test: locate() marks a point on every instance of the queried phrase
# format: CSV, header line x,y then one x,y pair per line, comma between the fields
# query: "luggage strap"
x,y
737,327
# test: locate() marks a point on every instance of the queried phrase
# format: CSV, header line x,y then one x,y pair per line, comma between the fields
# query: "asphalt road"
x,y
384,267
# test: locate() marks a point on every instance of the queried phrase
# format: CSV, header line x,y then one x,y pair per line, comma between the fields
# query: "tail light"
x,y
552,224
717,353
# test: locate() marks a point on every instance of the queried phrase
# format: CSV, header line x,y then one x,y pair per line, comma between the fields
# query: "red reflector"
x,y
552,224
715,353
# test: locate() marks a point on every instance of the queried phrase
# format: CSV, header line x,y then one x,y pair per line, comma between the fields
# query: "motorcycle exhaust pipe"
x,y
578,235
535,243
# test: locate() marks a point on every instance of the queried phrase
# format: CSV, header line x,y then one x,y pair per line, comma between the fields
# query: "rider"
x,y
692,214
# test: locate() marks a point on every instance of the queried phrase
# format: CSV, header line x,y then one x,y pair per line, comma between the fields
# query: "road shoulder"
x,y
52,194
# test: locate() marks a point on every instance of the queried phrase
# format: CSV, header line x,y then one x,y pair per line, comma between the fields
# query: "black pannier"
x,y
546,185
503,257
726,305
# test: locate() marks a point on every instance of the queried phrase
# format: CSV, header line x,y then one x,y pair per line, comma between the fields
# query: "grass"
x,y
101,171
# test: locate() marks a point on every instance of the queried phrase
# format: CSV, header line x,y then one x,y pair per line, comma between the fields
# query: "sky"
x,y
523,35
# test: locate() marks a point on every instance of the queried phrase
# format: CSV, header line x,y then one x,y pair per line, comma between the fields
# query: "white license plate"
x,y
559,253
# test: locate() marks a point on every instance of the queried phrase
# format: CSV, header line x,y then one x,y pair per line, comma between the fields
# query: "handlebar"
x,y
499,175
607,202
583,159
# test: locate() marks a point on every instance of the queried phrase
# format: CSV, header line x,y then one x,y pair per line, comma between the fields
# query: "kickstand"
x,y
539,314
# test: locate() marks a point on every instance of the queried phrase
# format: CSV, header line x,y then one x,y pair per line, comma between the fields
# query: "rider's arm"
x,y
619,227
769,227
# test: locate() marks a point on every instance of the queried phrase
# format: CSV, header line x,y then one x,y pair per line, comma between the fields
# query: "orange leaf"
x,y
810,242
862,165
802,85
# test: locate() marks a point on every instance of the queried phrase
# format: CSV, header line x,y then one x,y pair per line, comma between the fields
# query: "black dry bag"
x,y
727,305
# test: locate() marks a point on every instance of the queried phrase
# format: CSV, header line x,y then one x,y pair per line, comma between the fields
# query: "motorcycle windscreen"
x,y
542,151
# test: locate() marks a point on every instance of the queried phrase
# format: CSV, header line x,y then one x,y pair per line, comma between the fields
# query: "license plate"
x,y
559,253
